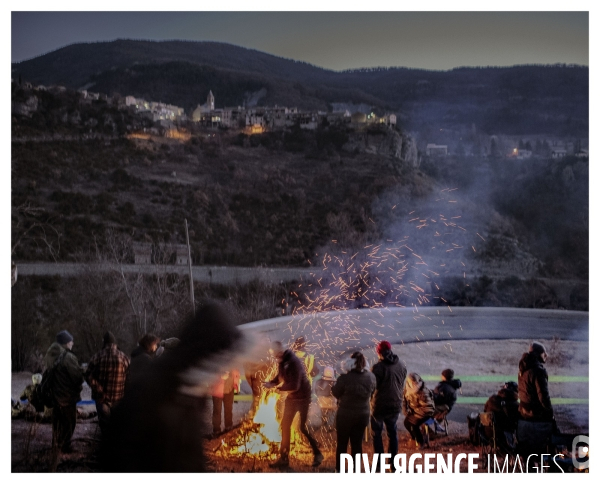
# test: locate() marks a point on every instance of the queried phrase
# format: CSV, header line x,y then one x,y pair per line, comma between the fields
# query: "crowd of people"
x,y
359,397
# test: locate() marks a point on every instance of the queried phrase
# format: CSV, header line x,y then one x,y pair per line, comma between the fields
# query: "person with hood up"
x,y
67,383
292,378
390,374
535,404
537,423
353,391
505,407
417,406
444,396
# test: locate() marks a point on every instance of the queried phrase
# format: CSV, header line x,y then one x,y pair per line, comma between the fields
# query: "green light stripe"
x,y
504,378
555,401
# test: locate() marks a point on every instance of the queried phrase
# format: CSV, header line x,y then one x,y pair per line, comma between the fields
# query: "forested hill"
x,y
531,99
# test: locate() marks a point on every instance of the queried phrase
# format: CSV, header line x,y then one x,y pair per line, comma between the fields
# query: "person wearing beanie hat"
x,y
64,338
66,389
535,404
106,375
444,397
390,374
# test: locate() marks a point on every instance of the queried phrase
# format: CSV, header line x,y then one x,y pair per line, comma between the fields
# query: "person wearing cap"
x,y
535,404
67,383
106,375
292,378
307,358
444,396
353,391
323,390
390,374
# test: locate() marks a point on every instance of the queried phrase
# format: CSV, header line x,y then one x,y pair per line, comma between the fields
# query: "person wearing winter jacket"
x,y
444,395
67,383
417,406
292,378
505,406
353,391
535,404
389,373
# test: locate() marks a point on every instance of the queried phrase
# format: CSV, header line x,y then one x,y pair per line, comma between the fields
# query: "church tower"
x,y
210,101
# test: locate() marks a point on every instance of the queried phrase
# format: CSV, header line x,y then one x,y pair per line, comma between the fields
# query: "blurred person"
x,y
292,378
66,384
353,391
255,373
417,406
106,374
159,425
223,393
390,374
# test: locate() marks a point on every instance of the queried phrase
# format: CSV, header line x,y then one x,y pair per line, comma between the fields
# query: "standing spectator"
x,y
67,381
325,398
537,423
390,373
417,405
142,356
535,403
292,378
444,396
223,392
147,346
353,391
307,358
106,375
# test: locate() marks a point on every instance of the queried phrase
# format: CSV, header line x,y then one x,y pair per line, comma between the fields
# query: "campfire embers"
x,y
261,436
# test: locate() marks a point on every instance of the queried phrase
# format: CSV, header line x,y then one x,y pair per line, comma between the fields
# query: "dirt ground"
x,y
31,449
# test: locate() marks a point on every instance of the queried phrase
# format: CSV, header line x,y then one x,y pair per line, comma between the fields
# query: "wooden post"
x,y
187,238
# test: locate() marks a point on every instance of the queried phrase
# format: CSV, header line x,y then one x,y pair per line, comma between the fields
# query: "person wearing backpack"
x,y
65,379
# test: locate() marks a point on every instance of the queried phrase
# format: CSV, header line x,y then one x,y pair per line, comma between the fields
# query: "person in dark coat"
x,y
417,406
159,425
67,383
353,392
505,406
292,378
389,373
444,396
535,404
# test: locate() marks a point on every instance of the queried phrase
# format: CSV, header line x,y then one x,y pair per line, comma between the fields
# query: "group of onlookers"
x,y
107,374
363,396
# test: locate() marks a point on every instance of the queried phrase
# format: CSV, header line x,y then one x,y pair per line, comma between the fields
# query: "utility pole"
x,y
187,238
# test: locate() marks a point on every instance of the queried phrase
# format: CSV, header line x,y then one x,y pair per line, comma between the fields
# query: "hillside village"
x,y
172,121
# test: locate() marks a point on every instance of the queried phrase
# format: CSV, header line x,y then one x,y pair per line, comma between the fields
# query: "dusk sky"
x,y
333,40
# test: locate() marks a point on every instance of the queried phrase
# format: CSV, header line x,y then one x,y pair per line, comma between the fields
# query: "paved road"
x,y
339,332
206,274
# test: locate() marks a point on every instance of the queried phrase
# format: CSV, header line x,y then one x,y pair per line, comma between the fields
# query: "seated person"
x,y
444,396
28,410
505,407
